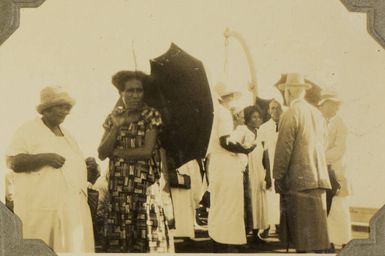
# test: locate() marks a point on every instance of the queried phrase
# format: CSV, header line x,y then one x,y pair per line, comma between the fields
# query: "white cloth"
x,y
269,135
257,189
339,224
187,200
52,203
245,137
226,215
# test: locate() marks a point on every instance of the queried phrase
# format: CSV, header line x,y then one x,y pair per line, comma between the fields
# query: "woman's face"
x,y
132,94
56,114
255,120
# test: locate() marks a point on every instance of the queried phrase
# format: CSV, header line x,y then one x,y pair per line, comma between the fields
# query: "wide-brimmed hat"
x,y
294,80
51,96
329,95
223,90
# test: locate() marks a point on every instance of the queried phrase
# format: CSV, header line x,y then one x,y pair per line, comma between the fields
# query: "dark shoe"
x,y
201,216
258,240
265,233
277,229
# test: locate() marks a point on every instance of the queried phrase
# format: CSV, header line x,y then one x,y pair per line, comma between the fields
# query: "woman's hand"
x,y
118,119
269,183
52,159
93,172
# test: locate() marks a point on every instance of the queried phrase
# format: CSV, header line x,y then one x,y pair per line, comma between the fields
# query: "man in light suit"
x,y
300,170
269,134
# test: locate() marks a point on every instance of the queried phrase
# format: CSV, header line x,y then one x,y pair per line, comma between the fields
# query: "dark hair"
x,y
249,111
120,78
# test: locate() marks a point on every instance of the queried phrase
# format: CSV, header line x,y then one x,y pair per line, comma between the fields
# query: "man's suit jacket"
x,y
299,162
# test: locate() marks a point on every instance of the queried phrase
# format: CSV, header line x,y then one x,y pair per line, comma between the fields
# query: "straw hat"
x,y
51,96
294,80
328,95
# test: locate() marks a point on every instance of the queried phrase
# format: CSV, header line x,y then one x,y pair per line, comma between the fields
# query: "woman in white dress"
x,y
50,180
226,215
259,182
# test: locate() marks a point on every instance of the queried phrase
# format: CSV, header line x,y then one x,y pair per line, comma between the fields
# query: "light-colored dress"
x,y
339,224
269,135
225,169
257,174
52,203
187,200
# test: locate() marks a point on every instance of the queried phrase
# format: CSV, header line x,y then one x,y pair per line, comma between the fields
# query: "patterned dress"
x,y
135,219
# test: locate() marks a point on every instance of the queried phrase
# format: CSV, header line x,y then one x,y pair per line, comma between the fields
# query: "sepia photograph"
x,y
251,126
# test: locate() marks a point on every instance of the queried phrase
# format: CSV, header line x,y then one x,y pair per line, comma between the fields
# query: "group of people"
x,y
262,175
50,181
289,170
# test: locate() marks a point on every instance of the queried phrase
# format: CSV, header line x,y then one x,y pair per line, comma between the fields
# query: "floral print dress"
x,y
134,220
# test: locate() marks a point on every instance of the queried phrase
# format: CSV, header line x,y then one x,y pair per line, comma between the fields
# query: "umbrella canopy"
x,y
179,89
187,105
313,95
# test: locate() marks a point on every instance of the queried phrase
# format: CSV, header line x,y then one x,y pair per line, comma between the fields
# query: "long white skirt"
x,y
273,206
339,223
258,192
187,200
226,215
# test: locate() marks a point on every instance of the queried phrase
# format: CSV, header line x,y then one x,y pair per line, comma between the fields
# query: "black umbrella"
x,y
187,105
179,89
313,95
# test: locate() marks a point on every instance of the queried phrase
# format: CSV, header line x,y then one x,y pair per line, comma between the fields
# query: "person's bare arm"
x,y
28,162
107,144
141,153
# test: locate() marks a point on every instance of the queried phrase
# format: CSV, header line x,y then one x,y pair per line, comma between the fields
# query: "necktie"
x,y
276,126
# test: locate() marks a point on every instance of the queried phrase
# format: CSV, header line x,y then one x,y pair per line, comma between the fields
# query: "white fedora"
x,y
223,90
328,95
294,80
51,96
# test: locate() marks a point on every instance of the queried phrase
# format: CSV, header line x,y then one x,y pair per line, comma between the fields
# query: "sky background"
x,y
80,44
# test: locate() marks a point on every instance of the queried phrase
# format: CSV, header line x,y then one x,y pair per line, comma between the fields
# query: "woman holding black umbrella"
x,y
135,220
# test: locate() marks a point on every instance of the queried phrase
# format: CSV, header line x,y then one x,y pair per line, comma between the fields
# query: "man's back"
x,y
300,151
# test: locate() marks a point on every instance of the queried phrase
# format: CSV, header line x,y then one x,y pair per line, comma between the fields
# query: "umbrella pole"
x,y
134,55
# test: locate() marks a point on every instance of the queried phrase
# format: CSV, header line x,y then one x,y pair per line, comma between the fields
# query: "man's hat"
x,y
294,80
328,95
